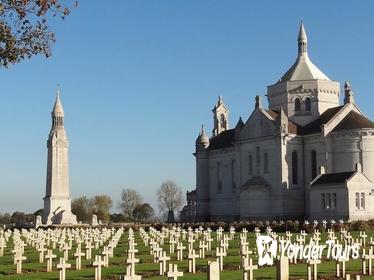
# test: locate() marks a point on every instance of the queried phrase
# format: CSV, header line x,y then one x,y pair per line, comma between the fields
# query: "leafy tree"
x,y
117,218
143,212
39,212
169,197
101,205
5,218
83,208
18,218
130,200
24,29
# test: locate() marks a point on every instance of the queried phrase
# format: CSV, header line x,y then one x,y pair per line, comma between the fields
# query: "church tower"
x,y
220,117
304,92
57,202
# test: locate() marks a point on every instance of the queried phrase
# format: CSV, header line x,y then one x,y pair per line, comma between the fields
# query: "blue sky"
x,y
138,78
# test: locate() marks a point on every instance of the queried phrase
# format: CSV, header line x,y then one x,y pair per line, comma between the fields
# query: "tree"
x,y
130,200
18,218
143,212
5,219
102,204
24,29
169,197
83,208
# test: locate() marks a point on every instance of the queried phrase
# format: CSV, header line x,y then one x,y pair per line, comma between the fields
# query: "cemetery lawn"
x,y
32,269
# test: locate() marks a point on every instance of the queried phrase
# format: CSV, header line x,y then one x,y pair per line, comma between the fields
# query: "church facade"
x,y
307,155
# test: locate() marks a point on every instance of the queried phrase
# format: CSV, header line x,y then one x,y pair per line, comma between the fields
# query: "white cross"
x,y
162,260
89,247
132,262
105,253
49,258
192,261
248,267
173,272
98,263
62,266
180,249
220,253
41,251
2,246
66,249
202,248
314,263
78,258
18,258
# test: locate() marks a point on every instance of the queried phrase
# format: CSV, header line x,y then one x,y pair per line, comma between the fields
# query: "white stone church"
x,y
306,156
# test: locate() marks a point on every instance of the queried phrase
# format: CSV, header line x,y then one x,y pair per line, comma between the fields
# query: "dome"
x,y
303,68
202,138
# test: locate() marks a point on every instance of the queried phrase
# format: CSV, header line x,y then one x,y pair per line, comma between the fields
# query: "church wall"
x,y
346,151
224,203
359,184
368,155
202,186
252,202
312,143
340,210
293,191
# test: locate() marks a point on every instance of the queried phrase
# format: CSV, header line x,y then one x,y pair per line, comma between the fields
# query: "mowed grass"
x,y
32,269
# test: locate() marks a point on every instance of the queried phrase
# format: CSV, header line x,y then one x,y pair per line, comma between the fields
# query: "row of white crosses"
x,y
154,239
62,239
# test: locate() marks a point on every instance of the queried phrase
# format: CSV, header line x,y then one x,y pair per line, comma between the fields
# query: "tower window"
x,y
258,159
314,164
295,174
223,121
266,163
219,182
308,104
233,185
250,164
297,105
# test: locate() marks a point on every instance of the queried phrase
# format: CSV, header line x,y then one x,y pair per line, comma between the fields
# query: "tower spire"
x,y
348,93
302,40
57,112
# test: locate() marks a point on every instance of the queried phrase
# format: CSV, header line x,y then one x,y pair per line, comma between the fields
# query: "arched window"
x,y
297,105
233,184
223,121
266,163
308,104
314,164
250,164
258,159
219,182
295,172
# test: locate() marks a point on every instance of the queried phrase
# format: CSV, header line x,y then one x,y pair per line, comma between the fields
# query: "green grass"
x,y
32,269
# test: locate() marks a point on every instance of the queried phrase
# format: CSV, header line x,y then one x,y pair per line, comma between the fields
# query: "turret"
x,y
220,117
57,113
348,93
202,141
302,40
304,92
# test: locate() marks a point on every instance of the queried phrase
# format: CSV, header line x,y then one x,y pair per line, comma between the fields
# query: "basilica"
x,y
309,155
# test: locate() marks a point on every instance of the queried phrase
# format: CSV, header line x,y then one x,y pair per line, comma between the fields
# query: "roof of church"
x,y
223,140
333,178
353,121
325,117
255,181
303,68
292,127
57,108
